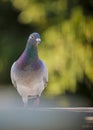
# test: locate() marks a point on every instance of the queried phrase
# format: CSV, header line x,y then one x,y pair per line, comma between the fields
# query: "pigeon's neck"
x,y
29,56
32,52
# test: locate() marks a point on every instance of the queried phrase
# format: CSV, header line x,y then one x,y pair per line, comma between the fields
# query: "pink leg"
x,y
36,102
25,100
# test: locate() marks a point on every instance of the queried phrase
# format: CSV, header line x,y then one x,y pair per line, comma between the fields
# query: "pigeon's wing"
x,y
45,76
12,74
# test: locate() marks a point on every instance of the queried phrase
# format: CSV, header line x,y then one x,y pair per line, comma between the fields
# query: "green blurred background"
x,y
66,28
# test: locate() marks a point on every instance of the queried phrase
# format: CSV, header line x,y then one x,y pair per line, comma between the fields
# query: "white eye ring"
x,y
31,37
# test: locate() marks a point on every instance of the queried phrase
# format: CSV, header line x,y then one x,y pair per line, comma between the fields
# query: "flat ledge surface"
x,y
54,109
46,118
74,109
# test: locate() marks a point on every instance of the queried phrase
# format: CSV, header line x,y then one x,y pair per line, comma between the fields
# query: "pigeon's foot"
x,y
25,105
36,102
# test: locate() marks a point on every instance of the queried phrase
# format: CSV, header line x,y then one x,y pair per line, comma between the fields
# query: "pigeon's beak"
x,y
38,40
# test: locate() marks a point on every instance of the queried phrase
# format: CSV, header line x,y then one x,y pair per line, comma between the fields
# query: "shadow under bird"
x,y
29,74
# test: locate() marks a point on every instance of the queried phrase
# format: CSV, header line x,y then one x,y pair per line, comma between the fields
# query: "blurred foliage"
x,y
66,28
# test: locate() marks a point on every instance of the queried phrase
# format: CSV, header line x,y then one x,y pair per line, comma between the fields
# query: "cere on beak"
x,y
38,40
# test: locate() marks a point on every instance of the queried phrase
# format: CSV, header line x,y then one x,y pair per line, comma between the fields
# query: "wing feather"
x,y
12,74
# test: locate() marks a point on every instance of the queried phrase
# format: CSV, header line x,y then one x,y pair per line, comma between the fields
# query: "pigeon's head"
x,y
34,39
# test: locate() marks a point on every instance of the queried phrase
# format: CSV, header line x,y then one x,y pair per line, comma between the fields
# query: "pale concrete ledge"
x,y
74,109
49,118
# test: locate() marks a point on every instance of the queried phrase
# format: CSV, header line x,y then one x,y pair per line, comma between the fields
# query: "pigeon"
x,y
29,74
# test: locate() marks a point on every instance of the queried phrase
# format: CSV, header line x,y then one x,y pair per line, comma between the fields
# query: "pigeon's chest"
x,y
28,76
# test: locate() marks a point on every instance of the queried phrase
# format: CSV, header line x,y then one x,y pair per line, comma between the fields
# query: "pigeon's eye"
x,y
32,37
